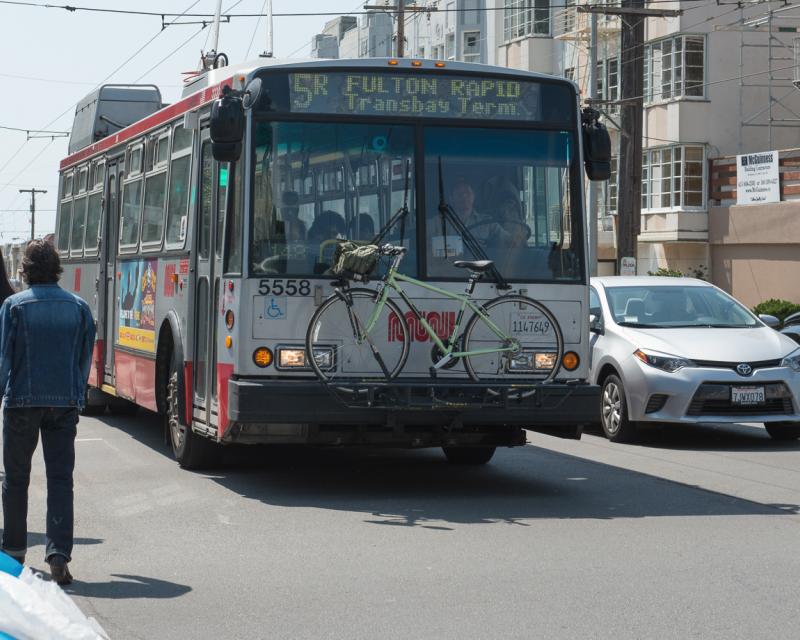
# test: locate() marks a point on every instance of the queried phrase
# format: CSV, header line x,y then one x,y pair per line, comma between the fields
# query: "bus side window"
x,y
65,214
179,178
233,238
78,226
131,215
64,223
153,221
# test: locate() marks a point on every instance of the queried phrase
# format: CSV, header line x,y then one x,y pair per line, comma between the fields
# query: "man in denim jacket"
x,y
46,341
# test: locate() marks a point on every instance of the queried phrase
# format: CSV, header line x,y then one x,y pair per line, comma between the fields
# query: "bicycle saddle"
x,y
473,265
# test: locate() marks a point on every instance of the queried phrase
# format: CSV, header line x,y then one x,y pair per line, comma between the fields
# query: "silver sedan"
x,y
670,350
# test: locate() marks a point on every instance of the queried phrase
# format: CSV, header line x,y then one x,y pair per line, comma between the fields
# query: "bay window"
x,y
674,68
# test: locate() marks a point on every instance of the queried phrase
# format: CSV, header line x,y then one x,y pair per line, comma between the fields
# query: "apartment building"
x,y
717,83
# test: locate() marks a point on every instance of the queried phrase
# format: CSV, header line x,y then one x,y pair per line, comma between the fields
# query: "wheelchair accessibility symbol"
x,y
275,308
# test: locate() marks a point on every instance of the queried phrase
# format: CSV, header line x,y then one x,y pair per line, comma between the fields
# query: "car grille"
x,y
715,399
714,364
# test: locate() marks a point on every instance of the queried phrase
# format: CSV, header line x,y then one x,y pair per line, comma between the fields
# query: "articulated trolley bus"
x,y
204,251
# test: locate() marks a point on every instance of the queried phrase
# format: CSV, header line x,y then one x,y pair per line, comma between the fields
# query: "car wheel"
x,y
468,455
614,412
783,431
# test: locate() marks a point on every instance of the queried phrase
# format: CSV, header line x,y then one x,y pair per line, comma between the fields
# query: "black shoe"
x,y
59,571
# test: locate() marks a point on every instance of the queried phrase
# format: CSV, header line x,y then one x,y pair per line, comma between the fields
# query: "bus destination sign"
x,y
400,94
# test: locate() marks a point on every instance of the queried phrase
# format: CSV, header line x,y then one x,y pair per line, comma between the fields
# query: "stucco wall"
x,y
755,251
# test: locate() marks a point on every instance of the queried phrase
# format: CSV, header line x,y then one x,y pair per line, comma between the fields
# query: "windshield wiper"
x,y
639,325
706,325
400,214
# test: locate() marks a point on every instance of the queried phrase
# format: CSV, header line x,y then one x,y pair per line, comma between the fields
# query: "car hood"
x,y
720,345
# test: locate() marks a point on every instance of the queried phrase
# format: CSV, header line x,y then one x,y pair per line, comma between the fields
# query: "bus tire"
x,y
122,407
468,455
95,403
191,450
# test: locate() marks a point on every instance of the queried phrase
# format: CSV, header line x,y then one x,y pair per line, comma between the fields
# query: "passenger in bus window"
x,y
361,227
328,227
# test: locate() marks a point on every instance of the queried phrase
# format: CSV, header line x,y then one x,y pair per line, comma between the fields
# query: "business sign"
x,y
137,305
757,178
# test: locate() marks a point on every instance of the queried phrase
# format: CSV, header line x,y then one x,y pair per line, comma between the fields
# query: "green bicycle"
x,y
361,335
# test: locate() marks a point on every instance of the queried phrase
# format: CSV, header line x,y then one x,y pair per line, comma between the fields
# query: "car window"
x,y
594,303
677,306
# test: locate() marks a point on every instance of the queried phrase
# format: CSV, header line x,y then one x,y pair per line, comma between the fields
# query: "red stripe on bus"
x,y
152,121
97,364
188,382
224,372
135,378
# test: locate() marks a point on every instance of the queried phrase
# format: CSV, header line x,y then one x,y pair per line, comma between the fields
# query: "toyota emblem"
x,y
744,369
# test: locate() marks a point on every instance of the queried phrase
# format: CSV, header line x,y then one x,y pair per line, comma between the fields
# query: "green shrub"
x,y
778,308
700,272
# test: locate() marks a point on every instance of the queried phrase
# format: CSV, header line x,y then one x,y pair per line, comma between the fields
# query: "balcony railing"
x,y
722,178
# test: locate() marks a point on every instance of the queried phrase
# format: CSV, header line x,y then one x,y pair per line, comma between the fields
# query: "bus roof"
x,y
207,86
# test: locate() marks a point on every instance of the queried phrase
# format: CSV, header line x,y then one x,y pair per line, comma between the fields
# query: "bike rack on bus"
x,y
425,394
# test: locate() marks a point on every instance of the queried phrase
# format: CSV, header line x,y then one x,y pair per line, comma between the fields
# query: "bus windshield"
x,y
497,193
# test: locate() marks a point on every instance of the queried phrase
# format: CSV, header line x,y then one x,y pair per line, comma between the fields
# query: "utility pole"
x,y
629,166
401,9
33,193
401,27
592,79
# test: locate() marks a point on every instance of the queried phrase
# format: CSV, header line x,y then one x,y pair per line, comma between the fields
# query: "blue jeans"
x,y
20,436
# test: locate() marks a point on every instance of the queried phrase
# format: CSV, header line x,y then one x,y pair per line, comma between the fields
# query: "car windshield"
x,y
669,307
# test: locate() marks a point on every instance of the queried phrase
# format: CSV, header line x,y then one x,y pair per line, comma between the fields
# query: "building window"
x,y
608,82
472,46
450,46
526,18
569,73
674,68
673,177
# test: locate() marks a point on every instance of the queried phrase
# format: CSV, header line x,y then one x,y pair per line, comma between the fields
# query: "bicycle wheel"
x,y
344,352
528,349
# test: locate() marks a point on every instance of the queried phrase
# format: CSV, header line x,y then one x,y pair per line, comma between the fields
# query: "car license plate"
x,y
747,395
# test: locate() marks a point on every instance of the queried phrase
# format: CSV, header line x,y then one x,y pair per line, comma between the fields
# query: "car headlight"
x,y
663,361
792,360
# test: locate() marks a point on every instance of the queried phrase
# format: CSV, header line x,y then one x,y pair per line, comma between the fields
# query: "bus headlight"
x,y
295,358
292,358
532,361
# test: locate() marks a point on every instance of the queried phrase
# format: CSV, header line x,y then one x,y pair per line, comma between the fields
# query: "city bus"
x,y
202,234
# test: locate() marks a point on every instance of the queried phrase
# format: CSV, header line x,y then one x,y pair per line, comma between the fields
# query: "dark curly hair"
x,y
41,264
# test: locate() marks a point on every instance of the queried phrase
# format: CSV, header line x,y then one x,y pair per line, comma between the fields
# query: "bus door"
x,y
109,294
212,187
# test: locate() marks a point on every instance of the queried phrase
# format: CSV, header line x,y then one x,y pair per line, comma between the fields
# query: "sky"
x,y
53,58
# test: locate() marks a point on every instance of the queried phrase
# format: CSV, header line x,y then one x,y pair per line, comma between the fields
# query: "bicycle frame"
x,y
391,282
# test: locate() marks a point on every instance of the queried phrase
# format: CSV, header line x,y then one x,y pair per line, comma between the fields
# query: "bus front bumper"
x,y
256,403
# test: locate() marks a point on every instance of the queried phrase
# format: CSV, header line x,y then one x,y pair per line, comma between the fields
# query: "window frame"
x,y
678,90
130,248
67,178
520,19
77,252
153,245
173,156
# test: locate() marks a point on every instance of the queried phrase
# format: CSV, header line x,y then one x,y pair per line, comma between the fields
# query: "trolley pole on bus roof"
x,y
269,50
33,193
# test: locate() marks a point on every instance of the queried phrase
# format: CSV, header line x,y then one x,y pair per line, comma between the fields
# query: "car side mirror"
x,y
770,321
595,324
227,126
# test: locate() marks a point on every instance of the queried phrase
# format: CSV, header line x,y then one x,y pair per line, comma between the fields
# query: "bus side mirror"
x,y
227,126
596,146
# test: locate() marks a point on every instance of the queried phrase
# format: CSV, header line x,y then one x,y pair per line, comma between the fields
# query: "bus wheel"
x,y
122,407
190,450
468,455
95,403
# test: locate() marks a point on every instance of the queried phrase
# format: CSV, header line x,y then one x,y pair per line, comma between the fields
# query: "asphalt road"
x,y
693,533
